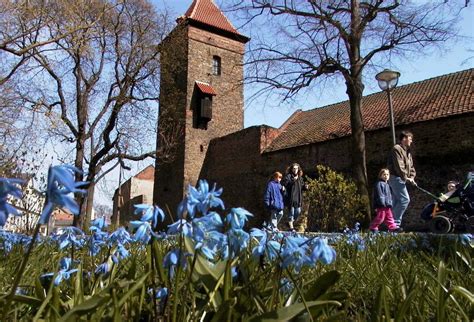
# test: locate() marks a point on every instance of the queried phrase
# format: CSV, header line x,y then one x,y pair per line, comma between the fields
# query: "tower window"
x,y
216,65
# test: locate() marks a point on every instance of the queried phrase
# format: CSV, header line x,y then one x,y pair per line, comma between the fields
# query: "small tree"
x,y
333,201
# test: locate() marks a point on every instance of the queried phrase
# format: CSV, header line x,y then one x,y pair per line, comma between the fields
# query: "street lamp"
x,y
388,79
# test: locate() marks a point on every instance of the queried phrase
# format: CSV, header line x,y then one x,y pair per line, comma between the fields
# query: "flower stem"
x,y
20,270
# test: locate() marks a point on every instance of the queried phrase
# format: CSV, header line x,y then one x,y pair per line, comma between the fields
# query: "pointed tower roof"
x,y
206,13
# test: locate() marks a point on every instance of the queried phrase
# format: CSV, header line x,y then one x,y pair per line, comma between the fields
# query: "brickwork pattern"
x,y
443,150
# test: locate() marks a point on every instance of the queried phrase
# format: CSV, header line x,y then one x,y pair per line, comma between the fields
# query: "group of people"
x,y
284,193
390,197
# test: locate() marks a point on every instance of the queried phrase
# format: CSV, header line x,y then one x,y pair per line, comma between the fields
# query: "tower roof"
x,y
206,12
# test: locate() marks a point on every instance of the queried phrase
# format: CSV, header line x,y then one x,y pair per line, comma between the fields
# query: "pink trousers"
x,y
383,215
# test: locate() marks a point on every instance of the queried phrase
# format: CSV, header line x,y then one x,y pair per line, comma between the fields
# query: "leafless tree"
x,y
22,28
315,39
98,86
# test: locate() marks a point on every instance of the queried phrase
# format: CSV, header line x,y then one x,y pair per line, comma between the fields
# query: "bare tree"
x,y
315,39
98,86
22,29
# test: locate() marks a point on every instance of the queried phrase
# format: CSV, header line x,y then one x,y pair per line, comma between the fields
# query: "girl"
x,y
383,204
273,199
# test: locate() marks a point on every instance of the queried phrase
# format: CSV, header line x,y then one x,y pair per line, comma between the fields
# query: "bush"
x,y
333,201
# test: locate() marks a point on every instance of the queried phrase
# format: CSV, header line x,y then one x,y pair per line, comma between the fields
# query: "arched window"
x,y
216,65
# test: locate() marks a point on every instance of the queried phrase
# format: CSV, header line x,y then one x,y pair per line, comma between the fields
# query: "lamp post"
x,y
388,79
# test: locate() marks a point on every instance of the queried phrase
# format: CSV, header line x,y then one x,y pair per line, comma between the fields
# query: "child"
x,y
451,189
273,199
383,204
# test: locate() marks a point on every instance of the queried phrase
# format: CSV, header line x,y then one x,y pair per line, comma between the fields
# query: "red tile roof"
x,y
438,97
206,88
206,12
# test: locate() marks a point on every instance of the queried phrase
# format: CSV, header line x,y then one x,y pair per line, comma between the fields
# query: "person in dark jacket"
x,y
294,186
383,203
273,199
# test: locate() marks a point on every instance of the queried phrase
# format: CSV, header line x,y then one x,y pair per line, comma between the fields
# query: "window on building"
x,y
216,65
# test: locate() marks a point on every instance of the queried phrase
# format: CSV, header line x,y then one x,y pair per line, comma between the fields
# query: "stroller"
x,y
453,213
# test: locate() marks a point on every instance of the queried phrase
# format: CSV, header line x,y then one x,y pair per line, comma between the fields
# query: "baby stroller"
x,y
453,213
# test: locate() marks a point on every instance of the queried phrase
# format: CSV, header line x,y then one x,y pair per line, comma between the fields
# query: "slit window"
x,y
216,65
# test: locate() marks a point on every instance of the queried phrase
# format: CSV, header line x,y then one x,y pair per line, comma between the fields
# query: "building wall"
x,y
227,105
169,186
443,151
187,56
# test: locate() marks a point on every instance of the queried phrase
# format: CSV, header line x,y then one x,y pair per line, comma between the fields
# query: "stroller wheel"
x,y
470,225
441,225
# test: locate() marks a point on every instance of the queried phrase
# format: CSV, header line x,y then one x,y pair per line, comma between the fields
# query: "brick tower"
x,y
201,95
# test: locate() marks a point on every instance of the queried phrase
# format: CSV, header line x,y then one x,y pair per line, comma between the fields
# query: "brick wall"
x,y
194,49
443,150
168,187
227,105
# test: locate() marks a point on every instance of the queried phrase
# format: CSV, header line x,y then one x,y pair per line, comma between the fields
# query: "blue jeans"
x,y
401,198
275,216
294,213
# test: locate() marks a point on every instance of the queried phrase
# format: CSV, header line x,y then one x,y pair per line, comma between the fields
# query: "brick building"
x,y
136,190
202,60
201,95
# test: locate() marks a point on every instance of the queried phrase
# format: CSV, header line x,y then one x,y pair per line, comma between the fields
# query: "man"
x,y
400,164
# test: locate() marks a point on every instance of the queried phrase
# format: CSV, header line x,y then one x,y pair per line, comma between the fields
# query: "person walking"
x,y
273,200
400,164
294,186
383,204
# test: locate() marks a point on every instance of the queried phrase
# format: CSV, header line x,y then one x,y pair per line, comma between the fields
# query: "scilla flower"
x,y
8,187
64,271
61,185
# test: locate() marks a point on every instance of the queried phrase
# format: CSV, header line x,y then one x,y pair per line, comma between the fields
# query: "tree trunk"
x,y
89,200
79,176
359,170
355,89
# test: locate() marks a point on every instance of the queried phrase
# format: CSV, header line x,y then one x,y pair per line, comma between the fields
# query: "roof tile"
x,y
206,88
430,99
207,12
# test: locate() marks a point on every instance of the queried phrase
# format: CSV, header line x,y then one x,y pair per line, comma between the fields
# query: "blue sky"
x,y
449,59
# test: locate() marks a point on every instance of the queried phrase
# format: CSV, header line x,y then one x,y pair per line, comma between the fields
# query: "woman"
x,y
294,186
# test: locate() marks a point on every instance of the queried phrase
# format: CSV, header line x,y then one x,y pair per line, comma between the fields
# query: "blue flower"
x,y
98,224
120,236
238,217
200,199
466,239
120,253
97,241
60,185
173,259
155,214
286,286
64,271
8,187
322,251
104,268
295,253
69,237
144,231
238,241
161,293
180,226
